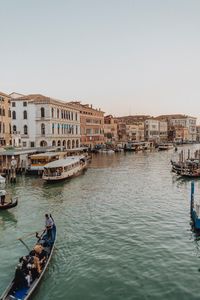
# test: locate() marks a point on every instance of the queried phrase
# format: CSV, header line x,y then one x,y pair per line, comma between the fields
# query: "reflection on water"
x,y
124,231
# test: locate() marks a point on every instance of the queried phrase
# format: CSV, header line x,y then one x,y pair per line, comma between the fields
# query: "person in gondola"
x,y
20,281
2,200
49,226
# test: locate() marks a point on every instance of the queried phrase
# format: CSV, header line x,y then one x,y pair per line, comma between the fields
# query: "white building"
x,y
152,130
40,121
185,122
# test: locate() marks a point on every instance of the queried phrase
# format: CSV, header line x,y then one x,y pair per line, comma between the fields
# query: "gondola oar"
x,y
24,244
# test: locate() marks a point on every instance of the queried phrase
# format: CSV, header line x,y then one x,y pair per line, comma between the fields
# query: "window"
x,y
32,144
42,129
14,115
13,104
58,113
52,128
52,112
42,112
25,129
14,128
24,144
25,103
9,113
25,114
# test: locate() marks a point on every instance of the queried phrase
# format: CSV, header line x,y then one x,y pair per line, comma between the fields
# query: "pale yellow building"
x,y
5,120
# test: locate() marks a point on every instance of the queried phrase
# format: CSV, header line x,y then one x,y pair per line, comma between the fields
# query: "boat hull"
x,y
9,205
26,294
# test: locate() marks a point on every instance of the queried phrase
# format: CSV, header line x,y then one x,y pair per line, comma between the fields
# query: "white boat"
x,y
166,146
38,161
2,179
64,168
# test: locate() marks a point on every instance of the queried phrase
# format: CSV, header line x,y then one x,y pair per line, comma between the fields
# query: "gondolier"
x,y
49,225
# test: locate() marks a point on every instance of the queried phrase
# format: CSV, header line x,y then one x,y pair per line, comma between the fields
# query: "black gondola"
x,y
6,201
14,292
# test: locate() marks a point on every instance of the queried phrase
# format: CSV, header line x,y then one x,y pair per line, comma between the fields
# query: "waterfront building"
x,y
40,121
110,129
5,120
163,131
135,132
198,133
91,124
151,130
178,121
131,128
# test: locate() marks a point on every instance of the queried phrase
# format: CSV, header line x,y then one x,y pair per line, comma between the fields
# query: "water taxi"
x,y
64,168
166,146
38,161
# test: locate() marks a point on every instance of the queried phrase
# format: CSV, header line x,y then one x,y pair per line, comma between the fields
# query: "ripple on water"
x,y
123,231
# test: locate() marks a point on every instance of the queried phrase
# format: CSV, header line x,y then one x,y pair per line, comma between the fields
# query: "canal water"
x,y
123,231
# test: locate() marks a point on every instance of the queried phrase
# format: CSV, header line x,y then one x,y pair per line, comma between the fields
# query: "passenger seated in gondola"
x,y
20,280
34,265
41,254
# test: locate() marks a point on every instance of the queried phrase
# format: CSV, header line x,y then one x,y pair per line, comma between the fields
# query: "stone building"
x,y
91,124
181,128
5,120
110,129
40,121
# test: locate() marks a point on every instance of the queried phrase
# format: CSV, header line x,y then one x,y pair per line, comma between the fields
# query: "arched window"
x,y
42,129
42,112
25,114
52,128
54,143
52,112
43,144
58,113
77,143
14,128
14,115
25,129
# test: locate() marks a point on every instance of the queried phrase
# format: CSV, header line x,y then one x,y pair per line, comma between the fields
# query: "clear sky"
x,y
124,56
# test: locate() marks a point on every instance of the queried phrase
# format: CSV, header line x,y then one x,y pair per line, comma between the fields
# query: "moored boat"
x,y
7,201
22,290
2,179
38,161
194,209
165,146
64,168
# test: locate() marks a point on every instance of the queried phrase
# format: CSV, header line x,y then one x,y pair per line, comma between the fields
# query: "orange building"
x,y
91,124
5,120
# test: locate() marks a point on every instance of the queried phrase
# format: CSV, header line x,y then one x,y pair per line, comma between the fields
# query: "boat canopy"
x,y
64,162
46,155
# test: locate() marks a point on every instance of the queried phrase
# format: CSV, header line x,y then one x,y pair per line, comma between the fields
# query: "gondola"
x,y
25,293
6,201
8,205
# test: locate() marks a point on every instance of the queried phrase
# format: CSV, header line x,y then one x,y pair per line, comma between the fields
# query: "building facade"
x,y
40,121
91,124
5,120
181,128
152,130
110,129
